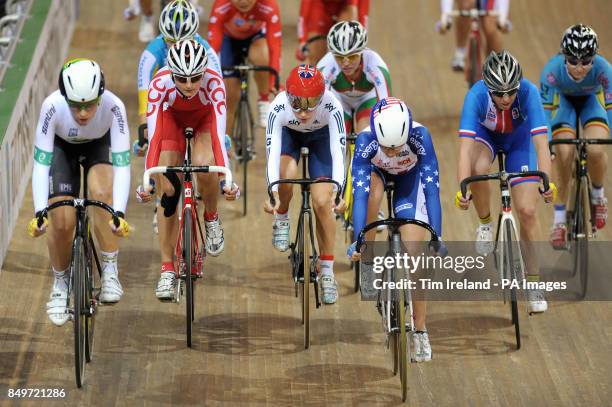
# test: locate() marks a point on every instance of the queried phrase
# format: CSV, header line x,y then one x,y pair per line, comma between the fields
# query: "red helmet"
x,y
305,82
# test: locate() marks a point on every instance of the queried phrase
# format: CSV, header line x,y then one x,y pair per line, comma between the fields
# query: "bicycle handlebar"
x,y
351,137
310,41
504,176
185,169
78,202
580,142
256,68
305,182
473,13
395,222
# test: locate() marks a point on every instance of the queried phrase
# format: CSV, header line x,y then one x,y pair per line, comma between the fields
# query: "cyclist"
x,y
188,92
357,76
81,125
492,26
241,28
401,150
577,75
178,20
316,18
503,111
307,115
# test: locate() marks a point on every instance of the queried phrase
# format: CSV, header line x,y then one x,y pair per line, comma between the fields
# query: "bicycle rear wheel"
x,y
188,262
78,315
357,271
472,73
248,143
510,258
90,301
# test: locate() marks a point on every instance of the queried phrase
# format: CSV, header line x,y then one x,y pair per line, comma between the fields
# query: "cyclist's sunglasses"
x,y
510,93
83,105
301,104
184,79
350,58
575,61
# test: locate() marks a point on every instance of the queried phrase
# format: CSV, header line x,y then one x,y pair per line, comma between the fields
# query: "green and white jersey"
x,y
374,80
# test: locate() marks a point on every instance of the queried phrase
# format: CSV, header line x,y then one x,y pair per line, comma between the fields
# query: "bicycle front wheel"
x,y
472,73
581,228
511,257
247,140
90,301
188,262
307,251
402,342
78,315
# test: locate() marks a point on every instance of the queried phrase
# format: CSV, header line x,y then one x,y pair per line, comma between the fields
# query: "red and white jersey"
x,y
225,19
164,96
311,11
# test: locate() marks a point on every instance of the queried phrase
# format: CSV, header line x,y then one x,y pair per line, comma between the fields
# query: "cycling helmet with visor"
x,y
502,73
305,88
81,82
179,20
187,59
579,44
391,122
347,38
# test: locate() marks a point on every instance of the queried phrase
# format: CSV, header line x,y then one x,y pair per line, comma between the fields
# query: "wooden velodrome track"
x,y
248,338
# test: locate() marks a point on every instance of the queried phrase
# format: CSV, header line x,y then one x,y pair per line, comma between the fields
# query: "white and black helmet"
x,y
501,72
579,41
179,20
81,80
346,38
187,58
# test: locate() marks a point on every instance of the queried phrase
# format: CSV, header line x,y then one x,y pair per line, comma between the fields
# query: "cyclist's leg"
x,y
483,154
462,30
563,126
348,13
489,27
319,22
258,55
596,126
65,183
230,54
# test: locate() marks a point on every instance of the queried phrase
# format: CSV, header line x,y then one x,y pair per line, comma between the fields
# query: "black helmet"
x,y
579,41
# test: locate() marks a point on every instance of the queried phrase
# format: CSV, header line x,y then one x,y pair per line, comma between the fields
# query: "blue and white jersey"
x,y
479,109
556,79
417,156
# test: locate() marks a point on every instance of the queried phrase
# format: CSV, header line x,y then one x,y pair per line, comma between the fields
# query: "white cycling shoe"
x,y
484,240
166,286
537,301
422,347
329,288
280,234
111,291
215,242
56,307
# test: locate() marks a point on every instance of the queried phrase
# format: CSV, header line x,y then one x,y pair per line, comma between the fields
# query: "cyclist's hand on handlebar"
x,y
461,202
551,194
268,207
123,230
504,26
34,230
138,150
231,194
437,247
341,207
143,195
352,252
299,52
444,24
